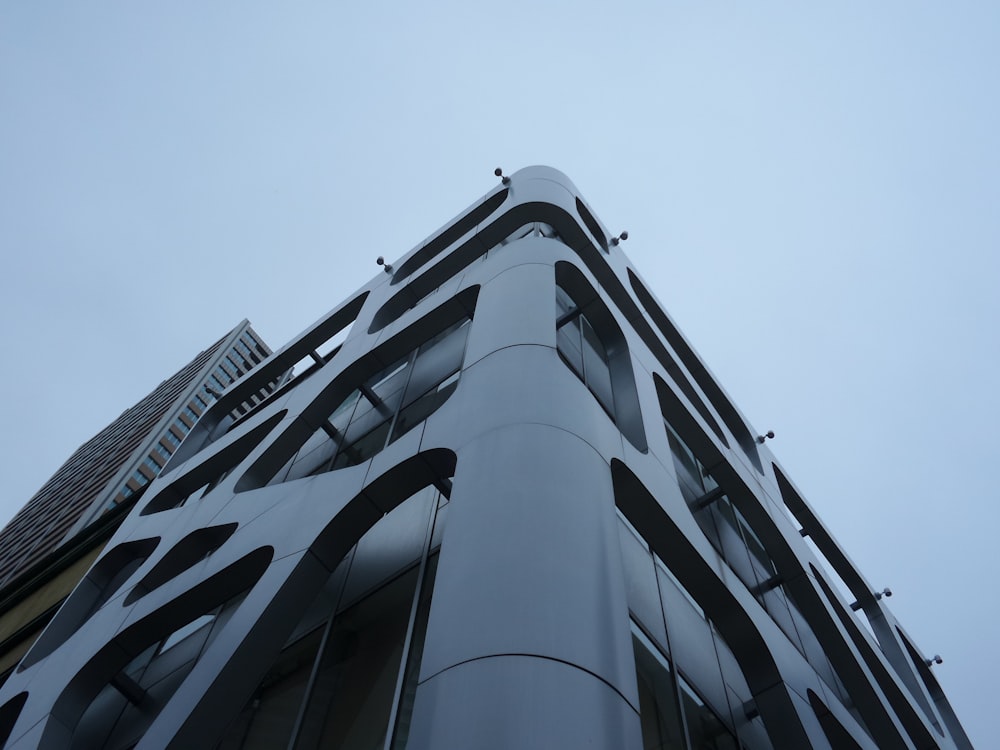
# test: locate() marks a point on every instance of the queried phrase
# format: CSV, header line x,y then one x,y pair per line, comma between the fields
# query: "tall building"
x,y
512,509
63,522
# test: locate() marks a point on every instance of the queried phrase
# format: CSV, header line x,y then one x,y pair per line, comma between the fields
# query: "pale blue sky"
x,y
810,190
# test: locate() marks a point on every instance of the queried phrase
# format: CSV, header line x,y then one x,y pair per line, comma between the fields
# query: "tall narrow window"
x,y
659,710
122,712
582,349
593,346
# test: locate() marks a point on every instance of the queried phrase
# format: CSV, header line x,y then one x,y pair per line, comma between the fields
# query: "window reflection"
x,y
347,679
583,350
398,398
384,407
667,703
721,521
734,538
659,711
122,712
355,684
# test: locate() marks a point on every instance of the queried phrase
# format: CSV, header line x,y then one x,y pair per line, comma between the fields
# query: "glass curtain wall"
x,y
350,681
121,713
583,350
743,551
672,714
385,407
399,397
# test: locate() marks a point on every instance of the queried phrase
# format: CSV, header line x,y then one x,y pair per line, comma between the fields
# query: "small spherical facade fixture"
x,y
387,267
936,659
886,592
620,238
499,173
766,436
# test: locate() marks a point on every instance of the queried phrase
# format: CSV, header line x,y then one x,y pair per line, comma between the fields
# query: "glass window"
x,y
596,366
436,360
705,729
185,631
684,459
235,367
341,416
675,581
270,718
746,555
659,710
564,303
356,682
388,387
417,411
569,346
360,450
400,397
583,350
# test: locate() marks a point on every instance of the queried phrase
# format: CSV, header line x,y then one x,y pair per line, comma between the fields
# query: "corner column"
x,y
528,643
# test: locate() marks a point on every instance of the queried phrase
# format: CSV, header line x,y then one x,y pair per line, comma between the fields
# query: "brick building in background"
x,y
59,532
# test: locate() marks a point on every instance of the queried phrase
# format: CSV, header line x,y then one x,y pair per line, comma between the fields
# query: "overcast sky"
x,y
811,192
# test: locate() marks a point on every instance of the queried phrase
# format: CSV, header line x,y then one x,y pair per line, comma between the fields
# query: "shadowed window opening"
x,y
672,714
270,380
385,406
427,285
398,398
104,580
132,699
582,349
9,713
347,678
592,225
716,397
593,347
186,631
740,546
659,709
204,477
189,551
123,710
450,235
835,732
532,229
